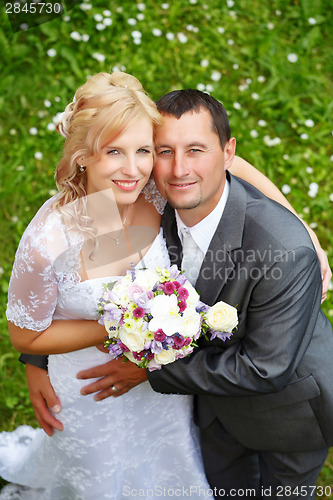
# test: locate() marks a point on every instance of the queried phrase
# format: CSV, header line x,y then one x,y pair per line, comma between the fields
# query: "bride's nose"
x,y
130,166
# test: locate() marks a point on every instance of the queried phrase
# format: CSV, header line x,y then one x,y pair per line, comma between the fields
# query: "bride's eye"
x,y
113,152
144,150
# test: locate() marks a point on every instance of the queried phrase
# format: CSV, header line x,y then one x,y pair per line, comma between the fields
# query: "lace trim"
x,y
152,195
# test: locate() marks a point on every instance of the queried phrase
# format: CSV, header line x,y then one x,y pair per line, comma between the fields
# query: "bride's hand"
x,y
116,377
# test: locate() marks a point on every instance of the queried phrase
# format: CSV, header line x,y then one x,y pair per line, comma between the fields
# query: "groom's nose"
x,y
180,167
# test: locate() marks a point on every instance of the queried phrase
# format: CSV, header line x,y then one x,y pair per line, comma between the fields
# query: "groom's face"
x,y
190,165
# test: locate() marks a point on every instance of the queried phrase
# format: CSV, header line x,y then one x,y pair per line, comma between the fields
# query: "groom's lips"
x,y
182,186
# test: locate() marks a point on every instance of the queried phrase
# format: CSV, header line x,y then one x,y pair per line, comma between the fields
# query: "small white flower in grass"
x,y
140,16
285,157
216,76
85,38
235,66
230,3
1,271
237,105
33,131
232,13
314,186
131,21
51,127
53,192
107,21
304,137
255,96
98,18
141,6
221,30
24,26
306,156
137,41
14,218
292,57
306,210
209,88
195,29
57,99
85,6
75,35
47,103
204,63
136,34
51,52
312,21
12,131
243,87
261,79
157,32
285,189
119,9
193,2
270,26
309,123
278,12
38,155
249,81
262,123
20,168
254,133
99,57
331,197
313,225
309,170
66,19
331,158
165,6
181,37
107,13
201,86
170,36
230,42
100,26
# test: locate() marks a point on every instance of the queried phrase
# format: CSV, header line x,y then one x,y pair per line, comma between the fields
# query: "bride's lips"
x,y
126,185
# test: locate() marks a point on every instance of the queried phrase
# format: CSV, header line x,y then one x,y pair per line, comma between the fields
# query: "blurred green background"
x,y
269,62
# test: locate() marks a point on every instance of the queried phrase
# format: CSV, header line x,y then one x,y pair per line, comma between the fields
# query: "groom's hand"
x,y
115,378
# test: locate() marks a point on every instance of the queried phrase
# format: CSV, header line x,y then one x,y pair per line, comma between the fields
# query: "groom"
x,y
264,402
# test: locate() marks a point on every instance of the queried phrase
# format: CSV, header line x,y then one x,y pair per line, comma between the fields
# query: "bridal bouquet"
x,y
155,316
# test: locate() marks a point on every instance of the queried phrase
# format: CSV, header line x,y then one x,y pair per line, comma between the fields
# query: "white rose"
x,y
222,317
165,357
146,278
133,340
191,323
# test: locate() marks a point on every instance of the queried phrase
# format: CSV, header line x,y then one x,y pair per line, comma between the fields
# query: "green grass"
x,y
239,53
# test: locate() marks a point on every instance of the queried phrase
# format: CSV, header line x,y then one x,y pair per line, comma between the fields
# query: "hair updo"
x,y
102,108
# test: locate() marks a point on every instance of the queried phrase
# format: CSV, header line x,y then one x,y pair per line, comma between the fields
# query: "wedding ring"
x,y
114,388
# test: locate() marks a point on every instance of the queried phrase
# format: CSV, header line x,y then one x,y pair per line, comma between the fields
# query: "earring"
x,y
82,168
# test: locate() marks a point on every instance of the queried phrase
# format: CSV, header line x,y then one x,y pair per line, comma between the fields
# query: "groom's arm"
x,y
279,326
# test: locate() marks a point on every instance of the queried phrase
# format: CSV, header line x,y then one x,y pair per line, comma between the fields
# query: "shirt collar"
x,y
203,232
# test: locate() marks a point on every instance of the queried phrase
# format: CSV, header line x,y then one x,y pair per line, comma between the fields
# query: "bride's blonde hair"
x,y
102,108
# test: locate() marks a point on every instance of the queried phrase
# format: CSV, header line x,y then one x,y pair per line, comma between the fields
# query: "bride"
x,y
105,217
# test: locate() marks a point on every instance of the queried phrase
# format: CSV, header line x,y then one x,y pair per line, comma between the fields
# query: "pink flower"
x,y
159,335
176,284
183,293
138,312
178,341
169,288
182,305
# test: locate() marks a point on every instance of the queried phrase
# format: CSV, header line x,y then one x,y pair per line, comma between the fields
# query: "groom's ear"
x,y
229,152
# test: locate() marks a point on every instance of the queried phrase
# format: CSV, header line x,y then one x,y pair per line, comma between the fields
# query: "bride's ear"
x,y
229,152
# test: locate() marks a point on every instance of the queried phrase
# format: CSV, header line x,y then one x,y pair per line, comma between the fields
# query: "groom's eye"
x,y
165,152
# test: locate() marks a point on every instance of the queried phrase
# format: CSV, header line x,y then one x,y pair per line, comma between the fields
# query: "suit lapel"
x,y
169,226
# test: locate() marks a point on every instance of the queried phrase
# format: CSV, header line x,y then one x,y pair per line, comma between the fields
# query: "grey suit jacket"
x,y
271,383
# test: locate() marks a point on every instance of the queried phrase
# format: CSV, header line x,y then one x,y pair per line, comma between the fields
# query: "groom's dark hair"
x,y
178,102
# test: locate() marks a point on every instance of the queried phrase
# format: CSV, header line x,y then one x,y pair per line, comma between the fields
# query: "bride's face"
x,y
125,163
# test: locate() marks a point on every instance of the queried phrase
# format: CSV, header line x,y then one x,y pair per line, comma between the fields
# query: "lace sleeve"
x,y
153,195
32,294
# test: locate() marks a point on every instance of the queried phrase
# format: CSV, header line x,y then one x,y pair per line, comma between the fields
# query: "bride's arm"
x,y
246,171
61,336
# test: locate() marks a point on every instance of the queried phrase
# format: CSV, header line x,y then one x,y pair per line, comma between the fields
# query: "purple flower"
x,y
169,288
202,307
174,271
159,335
183,292
156,347
187,341
138,312
220,335
124,347
138,355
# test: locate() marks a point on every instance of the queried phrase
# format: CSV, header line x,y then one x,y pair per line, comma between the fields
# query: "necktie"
x,y
190,262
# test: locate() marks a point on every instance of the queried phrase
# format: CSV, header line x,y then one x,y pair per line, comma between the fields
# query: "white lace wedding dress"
x,y
140,444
